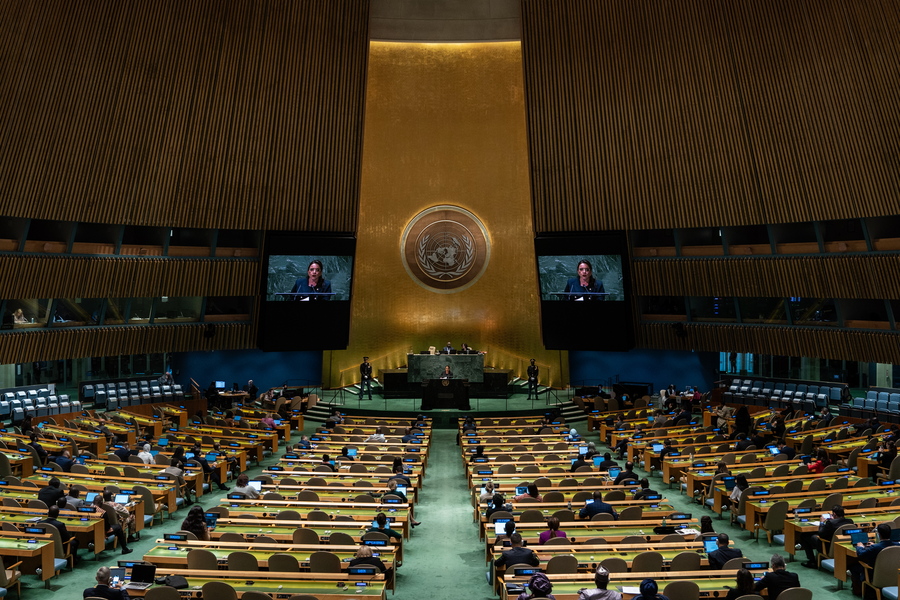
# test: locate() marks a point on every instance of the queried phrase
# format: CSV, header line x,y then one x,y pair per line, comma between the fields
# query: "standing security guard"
x,y
533,379
365,370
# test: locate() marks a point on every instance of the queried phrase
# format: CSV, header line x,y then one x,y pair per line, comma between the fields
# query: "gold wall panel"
x,y
445,124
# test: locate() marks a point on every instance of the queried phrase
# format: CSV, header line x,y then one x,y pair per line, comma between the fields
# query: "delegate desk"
x,y
163,490
87,527
283,531
611,532
163,555
35,551
864,518
756,507
20,463
720,493
324,586
567,587
99,467
659,509
362,512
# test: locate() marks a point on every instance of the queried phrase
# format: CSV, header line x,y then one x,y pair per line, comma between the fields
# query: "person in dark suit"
x,y
103,589
607,463
787,451
200,457
314,282
447,349
64,535
251,389
645,490
517,554
742,443
778,579
51,492
533,372
365,373
718,558
65,461
447,374
597,506
585,282
627,474
867,554
578,463
810,542
124,452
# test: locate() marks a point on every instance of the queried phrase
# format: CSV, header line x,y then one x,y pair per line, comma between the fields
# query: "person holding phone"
x,y
104,589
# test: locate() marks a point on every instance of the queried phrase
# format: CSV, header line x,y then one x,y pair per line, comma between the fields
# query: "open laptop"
x,y
256,485
211,519
710,545
658,447
895,535
122,499
142,577
729,482
521,489
162,442
352,452
859,537
500,526
582,450
614,472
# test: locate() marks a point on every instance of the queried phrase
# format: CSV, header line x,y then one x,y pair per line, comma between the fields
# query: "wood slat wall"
x,y
659,114
852,276
779,341
244,114
27,346
30,276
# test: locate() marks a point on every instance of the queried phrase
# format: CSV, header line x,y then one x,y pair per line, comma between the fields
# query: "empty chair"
x,y
293,515
218,590
647,562
687,590
339,538
242,561
615,565
303,535
685,561
562,563
283,563
324,562
202,560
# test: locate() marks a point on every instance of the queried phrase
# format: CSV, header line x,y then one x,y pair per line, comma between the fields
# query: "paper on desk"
x,y
689,531
628,589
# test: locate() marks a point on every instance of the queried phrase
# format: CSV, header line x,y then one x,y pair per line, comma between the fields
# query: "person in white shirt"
x,y
146,456
378,436
242,486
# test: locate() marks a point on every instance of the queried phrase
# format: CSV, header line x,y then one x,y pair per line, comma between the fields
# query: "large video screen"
x,y
585,291
306,286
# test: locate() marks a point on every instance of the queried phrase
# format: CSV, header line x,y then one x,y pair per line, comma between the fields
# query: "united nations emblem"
x,y
445,248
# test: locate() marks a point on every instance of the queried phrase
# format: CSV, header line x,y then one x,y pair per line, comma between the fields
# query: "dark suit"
x,y
826,531
742,445
721,556
596,507
776,582
104,591
789,452
516,556
302,285
579,462
123,454
533,372
365,372
868,556
49,495
606,465
64,463
64,534
625,475
643,493
573,285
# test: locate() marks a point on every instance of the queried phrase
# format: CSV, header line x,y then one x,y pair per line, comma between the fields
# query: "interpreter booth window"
x,y
763,310
864,313
228,308
817,312
141,311
77,312
116,311
170,309
712,310
663,308
26,314
736,362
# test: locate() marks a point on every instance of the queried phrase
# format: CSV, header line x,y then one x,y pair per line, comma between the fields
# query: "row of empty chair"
x,y
773,393
14,405
114,395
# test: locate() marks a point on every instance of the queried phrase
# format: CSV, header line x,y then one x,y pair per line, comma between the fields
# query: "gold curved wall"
x,y
445,124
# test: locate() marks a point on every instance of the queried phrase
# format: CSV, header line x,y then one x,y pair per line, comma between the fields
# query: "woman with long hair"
x,y
744,585
195,522
552,531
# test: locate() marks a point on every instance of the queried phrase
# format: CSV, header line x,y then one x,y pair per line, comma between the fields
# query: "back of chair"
x,y
218,590
886,565
684,590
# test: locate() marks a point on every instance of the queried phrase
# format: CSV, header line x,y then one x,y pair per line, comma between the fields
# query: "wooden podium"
x,y
445,393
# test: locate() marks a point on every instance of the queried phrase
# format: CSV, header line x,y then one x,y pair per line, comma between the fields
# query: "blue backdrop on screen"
x,y
237,366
